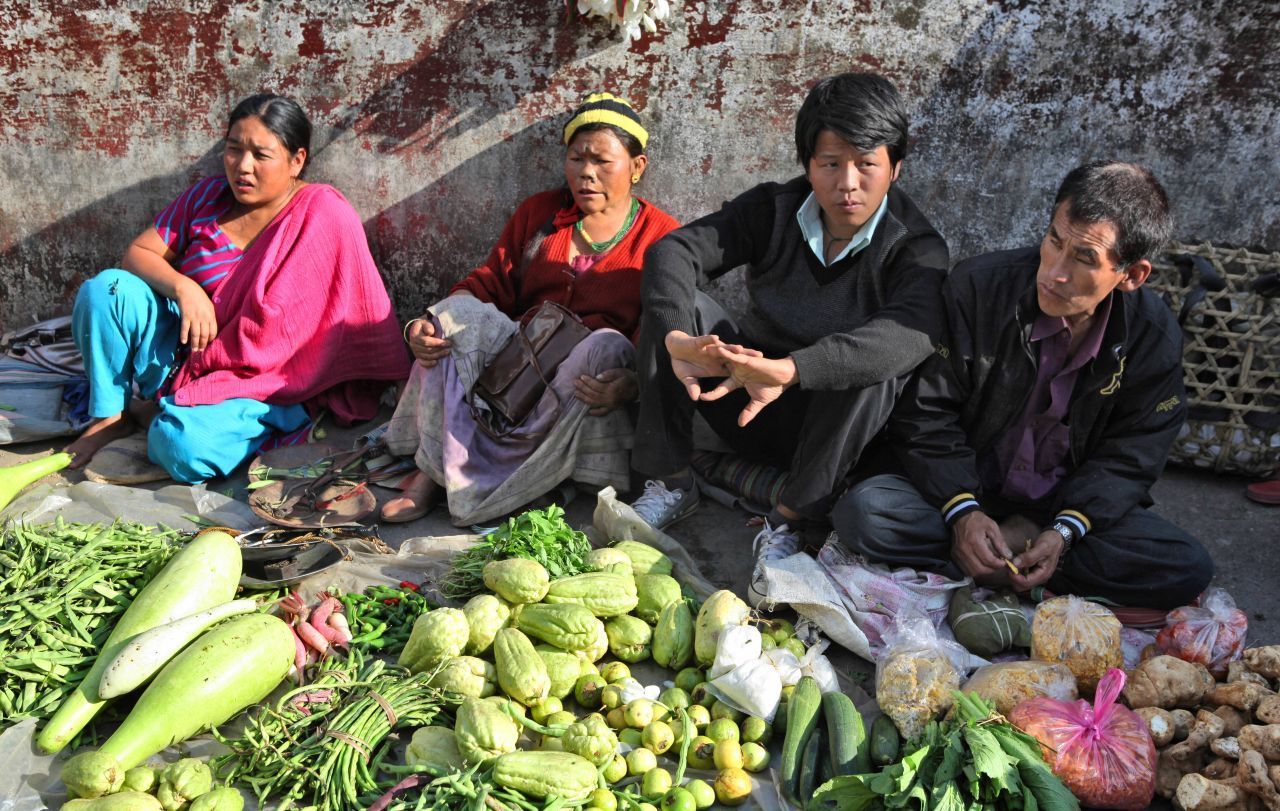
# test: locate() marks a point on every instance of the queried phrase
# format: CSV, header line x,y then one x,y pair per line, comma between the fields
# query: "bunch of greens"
x,y
540,535
975,760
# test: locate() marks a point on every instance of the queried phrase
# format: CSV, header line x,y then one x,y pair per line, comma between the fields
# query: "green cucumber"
x,y
885,741
803,710
809,760
848,748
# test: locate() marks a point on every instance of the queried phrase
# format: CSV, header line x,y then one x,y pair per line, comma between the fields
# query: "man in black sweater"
x,y
843,276
1032,438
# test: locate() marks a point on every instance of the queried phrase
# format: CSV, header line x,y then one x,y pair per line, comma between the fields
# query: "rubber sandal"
x,y
1267,492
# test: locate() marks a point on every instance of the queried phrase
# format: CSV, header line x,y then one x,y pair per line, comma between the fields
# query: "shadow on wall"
x,y
415,241
58,258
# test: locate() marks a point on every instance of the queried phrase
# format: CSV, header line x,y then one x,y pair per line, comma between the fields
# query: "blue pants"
x,y
128,336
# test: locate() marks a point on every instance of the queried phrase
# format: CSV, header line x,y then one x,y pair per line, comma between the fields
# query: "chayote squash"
x,y
485,615
182,781
521,671
517,580
218,799
604,594
483,730
599,645
609,559
673,636
629,638
436,748
722,609
140,778
468,676
567,626
93,774
544,774
592,739
563,668
121,801
644,558
655,592
437,635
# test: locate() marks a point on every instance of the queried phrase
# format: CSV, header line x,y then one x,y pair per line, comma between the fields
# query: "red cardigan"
x,y
607,295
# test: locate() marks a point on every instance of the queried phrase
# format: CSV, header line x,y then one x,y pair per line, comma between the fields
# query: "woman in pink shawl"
x,y
250,303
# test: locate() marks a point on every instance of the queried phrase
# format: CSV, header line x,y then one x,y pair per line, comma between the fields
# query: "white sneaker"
x,y
660,507
771,544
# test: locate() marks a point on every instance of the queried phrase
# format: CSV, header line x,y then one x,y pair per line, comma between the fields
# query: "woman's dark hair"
x,y
282,116
863,109
629,141
1128,196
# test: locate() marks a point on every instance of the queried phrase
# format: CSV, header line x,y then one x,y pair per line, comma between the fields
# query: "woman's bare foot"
x,y
107,429
420,494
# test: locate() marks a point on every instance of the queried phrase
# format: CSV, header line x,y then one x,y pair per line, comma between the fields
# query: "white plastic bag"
x,y
815,664
754,688
786,663
736,645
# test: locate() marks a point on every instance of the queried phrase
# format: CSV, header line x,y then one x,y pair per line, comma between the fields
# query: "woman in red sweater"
x,y
581,246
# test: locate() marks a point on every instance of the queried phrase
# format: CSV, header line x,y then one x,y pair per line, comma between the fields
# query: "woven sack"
x,y
1228,303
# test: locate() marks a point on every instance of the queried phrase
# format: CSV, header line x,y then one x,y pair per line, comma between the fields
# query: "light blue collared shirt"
x,y
809,217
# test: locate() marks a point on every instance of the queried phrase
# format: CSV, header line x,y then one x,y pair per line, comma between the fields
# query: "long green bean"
x,y
62,587
320,744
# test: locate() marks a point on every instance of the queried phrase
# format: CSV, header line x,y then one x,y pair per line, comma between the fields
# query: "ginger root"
x,y
1219,769
1251,774
1225,747
1187,757
1159,723
1167,681
1183,721
1264,740
1268,710
1264,661
1196,792
1239,671
1232,718
1242,695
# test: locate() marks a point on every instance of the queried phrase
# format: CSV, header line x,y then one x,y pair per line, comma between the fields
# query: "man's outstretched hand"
x,y
694,357
765,379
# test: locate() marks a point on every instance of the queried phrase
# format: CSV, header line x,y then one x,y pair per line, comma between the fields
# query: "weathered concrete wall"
x,y
436,118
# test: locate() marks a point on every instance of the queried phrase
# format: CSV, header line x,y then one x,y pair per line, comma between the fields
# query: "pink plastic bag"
x,y
1212,634
1103,752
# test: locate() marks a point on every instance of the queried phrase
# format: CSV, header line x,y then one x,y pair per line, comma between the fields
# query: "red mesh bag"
x,y
1211,634
1103,752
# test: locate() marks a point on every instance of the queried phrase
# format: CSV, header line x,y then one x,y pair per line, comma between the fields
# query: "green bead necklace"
x,y
601,247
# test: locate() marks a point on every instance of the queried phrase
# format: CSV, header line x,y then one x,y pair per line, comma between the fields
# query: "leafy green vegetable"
x,y
540,535
976,760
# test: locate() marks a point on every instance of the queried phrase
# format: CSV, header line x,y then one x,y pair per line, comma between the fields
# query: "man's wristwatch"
x,y
1068,536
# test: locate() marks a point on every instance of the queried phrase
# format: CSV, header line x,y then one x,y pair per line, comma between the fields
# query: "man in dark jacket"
x,y
843,277
1033,435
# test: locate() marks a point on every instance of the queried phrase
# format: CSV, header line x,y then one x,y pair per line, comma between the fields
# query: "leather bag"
x,y
513,382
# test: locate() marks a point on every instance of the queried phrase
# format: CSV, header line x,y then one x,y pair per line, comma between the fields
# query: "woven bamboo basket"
x,y
1231,354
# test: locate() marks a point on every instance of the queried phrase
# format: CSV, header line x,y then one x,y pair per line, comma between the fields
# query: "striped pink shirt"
x,y
189,226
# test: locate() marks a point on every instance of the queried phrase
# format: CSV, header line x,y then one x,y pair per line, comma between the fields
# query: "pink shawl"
x,y
304,318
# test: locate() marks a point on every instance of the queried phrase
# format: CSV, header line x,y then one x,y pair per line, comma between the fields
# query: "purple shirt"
x,y
189,225
1032,456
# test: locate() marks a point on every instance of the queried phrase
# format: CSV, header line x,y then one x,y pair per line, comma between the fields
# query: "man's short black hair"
x,y
1128,196
863,109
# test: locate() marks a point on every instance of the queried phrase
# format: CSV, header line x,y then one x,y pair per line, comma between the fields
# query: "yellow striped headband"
x,y
606,108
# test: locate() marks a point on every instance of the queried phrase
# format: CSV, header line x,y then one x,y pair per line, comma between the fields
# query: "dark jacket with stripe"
x,y
1125,411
